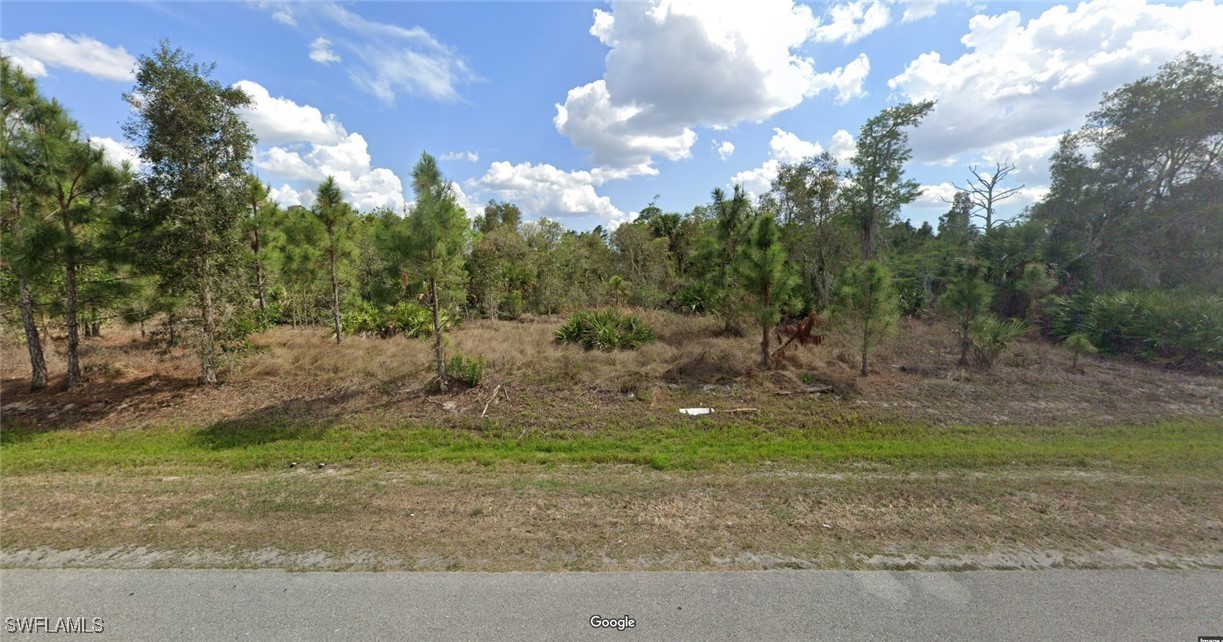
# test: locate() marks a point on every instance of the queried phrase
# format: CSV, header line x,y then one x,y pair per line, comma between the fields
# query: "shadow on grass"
x,y
293,420
27,414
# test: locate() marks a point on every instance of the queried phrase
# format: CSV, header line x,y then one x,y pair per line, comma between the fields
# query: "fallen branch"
x,y
809,390
490,400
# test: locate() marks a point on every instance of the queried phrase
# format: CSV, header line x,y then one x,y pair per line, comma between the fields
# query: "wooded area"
x,y
1121,256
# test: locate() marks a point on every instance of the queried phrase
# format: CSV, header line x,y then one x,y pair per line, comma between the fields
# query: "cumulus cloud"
x,y
843,147
787,147
469,156
847,80
280,120
300,148
544,191
613,133
34,52
921,9
287,196
674,65
852,21
725,149
784,147
1026,82
320,52
117,153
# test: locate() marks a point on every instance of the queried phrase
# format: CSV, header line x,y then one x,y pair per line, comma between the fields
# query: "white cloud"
x,y
305,148
921,9
759,180
284,17
938,198
320,52
468,156
784,147
612,132
384,59
847,80
280,120
544,191
1023,82
473,207
116,152
34,52
725,149
1029,154
853,21
843,146
674,65
286,196
397,60
789,148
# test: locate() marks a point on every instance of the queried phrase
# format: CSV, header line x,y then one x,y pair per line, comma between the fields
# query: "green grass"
x,y
1179,446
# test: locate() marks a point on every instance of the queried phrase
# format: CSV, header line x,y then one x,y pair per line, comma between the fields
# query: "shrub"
x,y
605,330
465,370
1078,343
991,336
413,320
512,307
866,300
966,300
1173,325
696,298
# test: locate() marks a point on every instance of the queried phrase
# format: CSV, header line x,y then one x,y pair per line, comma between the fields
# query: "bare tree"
x,y
985,194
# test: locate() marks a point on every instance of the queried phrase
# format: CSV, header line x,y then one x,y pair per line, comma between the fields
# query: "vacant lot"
x,y
581,460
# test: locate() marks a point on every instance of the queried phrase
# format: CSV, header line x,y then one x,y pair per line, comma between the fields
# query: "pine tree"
x,y
437,233
867,300
764,273
194,145
338,220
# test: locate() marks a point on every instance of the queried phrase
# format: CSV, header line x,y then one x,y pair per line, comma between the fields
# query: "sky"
x,y
585,113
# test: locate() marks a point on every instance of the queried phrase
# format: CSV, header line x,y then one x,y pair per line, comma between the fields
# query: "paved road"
x,y
777,605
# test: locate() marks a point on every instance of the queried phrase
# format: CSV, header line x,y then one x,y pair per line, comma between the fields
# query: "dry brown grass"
x,y
303,374
612,518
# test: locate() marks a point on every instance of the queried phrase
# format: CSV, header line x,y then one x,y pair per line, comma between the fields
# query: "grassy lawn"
x,y
704,494
692,445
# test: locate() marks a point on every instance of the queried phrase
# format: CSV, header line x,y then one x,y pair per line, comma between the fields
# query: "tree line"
x,y
193,249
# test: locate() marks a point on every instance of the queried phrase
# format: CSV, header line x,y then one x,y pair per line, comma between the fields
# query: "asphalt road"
x,y
773,605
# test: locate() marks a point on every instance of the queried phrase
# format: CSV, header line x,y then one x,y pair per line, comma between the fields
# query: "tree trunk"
x,y
260,279
208,365
866,334
173,332
74,331
335,299
766,355
437,338
38,363
964,345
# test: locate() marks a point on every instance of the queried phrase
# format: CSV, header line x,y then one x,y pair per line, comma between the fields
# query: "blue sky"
x,y
584,112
